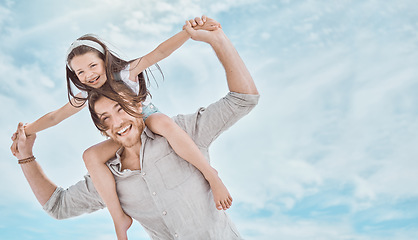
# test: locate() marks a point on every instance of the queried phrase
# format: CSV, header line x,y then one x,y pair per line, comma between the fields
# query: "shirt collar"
x,y
149,133
115,162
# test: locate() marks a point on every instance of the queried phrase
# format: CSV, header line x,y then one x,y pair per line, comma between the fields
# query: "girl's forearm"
x,y
52,118
168,47
46,121
173,43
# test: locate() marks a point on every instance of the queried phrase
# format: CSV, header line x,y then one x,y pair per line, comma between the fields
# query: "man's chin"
x,y
128,143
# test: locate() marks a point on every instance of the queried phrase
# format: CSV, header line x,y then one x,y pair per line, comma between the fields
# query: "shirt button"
x,y
143,174
164,213
151,107
154,193
175,235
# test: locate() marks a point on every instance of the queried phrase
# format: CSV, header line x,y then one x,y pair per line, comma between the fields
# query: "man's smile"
x,y
124,130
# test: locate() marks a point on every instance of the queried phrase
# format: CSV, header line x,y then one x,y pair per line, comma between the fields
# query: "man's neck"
x,y
130,157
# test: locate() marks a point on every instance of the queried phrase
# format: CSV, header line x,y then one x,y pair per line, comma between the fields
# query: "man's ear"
x,y
104,134
140,107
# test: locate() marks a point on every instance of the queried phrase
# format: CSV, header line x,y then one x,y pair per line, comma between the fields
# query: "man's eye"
x,y
119,109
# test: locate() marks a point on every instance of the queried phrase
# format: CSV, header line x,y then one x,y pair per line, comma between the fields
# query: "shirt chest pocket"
x,y
173,170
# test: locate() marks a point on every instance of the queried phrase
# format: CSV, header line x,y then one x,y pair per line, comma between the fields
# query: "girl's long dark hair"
x,y
113,65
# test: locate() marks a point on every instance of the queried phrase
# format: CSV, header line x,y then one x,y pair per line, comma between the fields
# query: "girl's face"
x,y
90,69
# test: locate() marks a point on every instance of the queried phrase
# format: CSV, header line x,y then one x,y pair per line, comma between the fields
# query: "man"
x,y
168,196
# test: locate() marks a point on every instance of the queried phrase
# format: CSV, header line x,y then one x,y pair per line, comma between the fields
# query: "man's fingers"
x,y
198,20
14,136
13,148
213,22
192,22
212,27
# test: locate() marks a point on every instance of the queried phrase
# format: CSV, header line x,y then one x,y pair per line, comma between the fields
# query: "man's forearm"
x,y
238,77
42,187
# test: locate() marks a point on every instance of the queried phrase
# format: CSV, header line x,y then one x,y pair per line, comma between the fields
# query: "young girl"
x,y
90,65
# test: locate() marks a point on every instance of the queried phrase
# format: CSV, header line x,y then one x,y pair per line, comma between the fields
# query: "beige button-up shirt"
x,y
169,197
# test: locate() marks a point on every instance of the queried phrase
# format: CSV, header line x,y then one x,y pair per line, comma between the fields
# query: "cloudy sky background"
x,y
327,154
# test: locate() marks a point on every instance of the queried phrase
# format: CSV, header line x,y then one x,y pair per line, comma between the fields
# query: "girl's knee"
x,y
89,155
160,123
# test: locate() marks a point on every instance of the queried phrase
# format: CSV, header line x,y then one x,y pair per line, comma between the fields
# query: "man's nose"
x,y
117,121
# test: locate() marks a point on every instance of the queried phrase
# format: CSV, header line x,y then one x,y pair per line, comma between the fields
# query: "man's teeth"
x,y
123,129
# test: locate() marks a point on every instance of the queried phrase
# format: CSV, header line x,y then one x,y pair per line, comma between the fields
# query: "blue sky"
x,y
327,154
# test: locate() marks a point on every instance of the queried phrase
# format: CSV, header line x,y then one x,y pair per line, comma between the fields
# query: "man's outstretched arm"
x,y
42,187
238,77
58,202
208,123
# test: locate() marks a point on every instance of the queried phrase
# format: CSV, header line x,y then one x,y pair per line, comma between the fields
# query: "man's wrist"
x,y
26,160
24,155
219,40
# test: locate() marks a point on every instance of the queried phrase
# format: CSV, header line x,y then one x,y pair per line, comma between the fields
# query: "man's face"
x,y
122,127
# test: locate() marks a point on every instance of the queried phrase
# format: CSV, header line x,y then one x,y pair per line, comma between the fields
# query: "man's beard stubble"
x,y
137,139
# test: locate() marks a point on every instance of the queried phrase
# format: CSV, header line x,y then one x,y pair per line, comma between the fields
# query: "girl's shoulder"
x,y
130,82
125,73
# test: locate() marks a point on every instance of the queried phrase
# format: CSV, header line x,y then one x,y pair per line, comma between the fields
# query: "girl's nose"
x,y
89,75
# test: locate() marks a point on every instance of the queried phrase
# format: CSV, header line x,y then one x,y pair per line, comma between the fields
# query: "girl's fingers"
x,y
188,28
204,18
20,130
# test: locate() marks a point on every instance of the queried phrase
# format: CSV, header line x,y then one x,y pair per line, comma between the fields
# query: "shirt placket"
x,y
155,192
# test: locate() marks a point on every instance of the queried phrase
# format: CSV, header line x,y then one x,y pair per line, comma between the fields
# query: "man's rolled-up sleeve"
x,y
207,124
74,201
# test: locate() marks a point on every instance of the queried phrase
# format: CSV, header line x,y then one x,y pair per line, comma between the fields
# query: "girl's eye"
x,y
79,73
104,119
120,108
93,65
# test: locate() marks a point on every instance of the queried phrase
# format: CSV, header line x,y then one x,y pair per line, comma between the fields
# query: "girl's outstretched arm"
x,y
170,45
53,118
50,119
95,158
187,149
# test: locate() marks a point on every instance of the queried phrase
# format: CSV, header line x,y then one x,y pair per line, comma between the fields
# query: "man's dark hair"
x,y
120,93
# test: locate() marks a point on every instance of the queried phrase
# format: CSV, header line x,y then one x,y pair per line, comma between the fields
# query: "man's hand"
x,y
22,145
209,34
204,23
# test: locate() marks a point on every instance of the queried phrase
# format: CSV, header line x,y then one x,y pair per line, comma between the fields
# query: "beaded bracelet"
x,y
26,160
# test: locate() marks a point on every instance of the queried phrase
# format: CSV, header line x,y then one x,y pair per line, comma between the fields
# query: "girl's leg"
x,y
186,148
95,158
